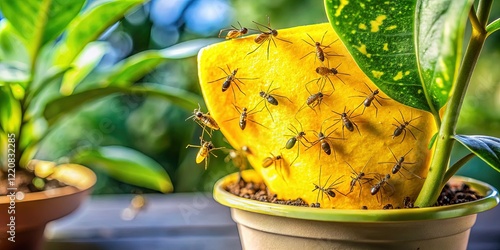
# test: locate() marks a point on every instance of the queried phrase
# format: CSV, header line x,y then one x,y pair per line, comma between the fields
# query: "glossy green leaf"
x,y
66,104
127,165
415,67
40,21
88,26
83,65
485,147
136,66
10,111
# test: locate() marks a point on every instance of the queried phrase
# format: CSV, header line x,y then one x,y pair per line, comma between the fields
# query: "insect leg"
x,y
239,87
218,79
254,49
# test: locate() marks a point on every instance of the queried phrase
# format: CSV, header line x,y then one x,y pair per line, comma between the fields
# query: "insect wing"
x,y
261,38
233,34
267,162
210,122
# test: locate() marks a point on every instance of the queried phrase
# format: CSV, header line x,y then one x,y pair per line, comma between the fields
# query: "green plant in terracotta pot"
x,y
352,116
49,57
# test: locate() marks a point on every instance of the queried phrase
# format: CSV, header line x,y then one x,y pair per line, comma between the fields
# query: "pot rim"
x,y
490,200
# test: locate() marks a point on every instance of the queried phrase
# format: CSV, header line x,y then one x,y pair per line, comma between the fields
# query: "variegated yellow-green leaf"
x,y
409,49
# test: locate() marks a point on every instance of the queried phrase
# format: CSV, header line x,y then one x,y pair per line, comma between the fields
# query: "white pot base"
x,y
260,231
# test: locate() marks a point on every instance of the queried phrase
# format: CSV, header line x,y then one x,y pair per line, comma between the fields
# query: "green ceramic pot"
x,y
271,226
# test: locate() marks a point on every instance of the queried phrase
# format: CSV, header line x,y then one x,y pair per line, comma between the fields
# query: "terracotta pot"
x,y
35,210
271,226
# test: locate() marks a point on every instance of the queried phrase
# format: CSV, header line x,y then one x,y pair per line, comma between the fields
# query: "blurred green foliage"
x,y
479,115
158,128
154,126
51,67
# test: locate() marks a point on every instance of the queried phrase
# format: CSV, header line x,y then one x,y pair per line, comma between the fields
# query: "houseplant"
x,y
407,54
49,57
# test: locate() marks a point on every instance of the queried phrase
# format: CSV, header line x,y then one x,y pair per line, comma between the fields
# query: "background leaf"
x,y
86,61
50,76
485,147
40,21
136,66
64,105
89,26
10,113
14,58
127,165
381,38
3,150
10,73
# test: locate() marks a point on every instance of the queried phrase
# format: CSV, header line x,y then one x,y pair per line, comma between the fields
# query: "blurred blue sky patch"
x,y
206,17
167,12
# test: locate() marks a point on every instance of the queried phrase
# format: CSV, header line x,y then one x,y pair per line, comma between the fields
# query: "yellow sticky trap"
x,y
270,127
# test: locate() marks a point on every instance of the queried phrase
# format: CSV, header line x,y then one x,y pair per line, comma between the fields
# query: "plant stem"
x,y
24,103
483,12
473,19
444,142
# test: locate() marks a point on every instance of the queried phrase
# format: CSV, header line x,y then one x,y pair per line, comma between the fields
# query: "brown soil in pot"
x,y
258,191
24,183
